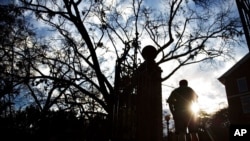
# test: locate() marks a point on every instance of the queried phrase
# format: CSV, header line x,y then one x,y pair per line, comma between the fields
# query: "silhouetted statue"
x,y
148,99
180,102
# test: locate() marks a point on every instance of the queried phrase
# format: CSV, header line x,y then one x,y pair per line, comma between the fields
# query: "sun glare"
x,y
195,108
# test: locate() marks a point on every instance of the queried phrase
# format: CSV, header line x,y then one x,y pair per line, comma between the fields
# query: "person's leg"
x,y
182,136
180,128
188,137
193,128
194,136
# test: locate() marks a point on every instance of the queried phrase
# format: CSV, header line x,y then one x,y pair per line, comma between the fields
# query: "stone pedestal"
x,y
149,99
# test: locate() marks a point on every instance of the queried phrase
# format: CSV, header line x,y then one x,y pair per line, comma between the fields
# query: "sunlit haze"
x,y
211,93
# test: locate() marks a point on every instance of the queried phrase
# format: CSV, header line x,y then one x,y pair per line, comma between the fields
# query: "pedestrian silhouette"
x,y
180,102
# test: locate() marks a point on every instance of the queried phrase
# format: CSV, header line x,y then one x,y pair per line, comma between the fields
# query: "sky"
x,y
211,92
204,80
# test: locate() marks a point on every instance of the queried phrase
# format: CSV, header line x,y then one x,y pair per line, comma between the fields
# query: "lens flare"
x,y
195,108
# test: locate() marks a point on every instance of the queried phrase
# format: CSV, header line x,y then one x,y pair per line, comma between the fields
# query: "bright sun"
x,y
195,108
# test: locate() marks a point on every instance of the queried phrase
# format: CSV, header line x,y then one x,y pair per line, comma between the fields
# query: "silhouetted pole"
x,y
167,118
149,100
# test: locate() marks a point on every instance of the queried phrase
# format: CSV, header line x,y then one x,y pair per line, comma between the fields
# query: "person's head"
x,y
183,82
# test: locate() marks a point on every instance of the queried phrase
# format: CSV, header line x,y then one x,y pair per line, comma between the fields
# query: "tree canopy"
x,y
78,55
16,54
86,51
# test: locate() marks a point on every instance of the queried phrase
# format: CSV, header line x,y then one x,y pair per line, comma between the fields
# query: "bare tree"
x,y
97,44
15,55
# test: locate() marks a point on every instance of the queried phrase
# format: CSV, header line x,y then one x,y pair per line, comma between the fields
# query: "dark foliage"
x,y
30,124
75,80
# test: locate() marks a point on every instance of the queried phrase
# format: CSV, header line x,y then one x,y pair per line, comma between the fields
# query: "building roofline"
x,y
233,68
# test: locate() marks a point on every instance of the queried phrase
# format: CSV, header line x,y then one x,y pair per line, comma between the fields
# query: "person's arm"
x,y
170,102
194,96
171,107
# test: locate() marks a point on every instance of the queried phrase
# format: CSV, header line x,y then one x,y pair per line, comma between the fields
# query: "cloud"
x,y
212,94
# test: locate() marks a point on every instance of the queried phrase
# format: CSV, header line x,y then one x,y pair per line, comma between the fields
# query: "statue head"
x,y
149,53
